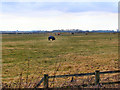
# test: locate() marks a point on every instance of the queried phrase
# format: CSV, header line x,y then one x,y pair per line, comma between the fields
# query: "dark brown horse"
x,y
51,37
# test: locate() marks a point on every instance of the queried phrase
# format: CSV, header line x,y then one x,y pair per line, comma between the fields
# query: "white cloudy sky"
x,y
59,15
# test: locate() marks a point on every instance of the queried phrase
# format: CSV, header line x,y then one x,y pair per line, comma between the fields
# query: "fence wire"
x,y
85,81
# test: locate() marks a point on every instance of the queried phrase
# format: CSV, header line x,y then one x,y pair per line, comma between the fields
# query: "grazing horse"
x,y
51,37
58,33
72,33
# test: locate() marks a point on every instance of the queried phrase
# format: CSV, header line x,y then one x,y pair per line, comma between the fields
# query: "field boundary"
x,y
97,73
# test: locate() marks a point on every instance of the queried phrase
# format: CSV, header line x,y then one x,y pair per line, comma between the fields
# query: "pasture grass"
x,y
70,54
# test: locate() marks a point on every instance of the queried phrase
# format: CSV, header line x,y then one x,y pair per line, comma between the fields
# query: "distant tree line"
x,y
56,31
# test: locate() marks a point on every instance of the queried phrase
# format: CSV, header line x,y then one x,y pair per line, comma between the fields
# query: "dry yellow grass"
x,y
70,54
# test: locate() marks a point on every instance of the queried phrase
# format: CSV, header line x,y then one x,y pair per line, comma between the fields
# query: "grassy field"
x,y
33,55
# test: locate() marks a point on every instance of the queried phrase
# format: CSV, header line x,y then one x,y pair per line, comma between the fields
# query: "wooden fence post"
x,y
97,77
45,80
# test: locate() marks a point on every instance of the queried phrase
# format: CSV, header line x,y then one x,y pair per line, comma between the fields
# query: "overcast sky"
x,y
59,15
